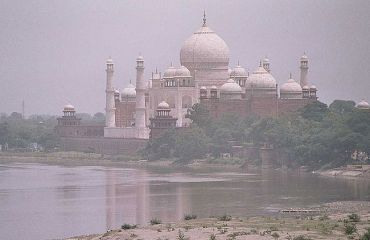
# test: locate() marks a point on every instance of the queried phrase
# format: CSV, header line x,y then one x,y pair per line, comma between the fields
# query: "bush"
x,y
190,216
212,237
181,236
301,237
275,235
155,221
349,228
366,235
224,217
128,226
354,217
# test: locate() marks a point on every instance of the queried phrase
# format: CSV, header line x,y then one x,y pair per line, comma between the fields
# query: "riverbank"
x,y
92,159
329,221
349,171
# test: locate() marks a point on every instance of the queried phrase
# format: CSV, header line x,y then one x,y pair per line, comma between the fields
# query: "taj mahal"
x,y
148,108
204,75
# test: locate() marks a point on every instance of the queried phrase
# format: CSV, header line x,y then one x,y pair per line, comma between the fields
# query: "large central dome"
x,y
205,51
204,46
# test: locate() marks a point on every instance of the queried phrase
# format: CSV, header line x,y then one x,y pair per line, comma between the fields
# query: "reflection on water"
x,y
46,202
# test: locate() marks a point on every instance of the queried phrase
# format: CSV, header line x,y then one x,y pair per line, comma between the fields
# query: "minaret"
x,y
304,70
140,94
109,92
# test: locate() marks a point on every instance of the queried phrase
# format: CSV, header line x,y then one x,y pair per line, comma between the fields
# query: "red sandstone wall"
x,y
113,146
80,131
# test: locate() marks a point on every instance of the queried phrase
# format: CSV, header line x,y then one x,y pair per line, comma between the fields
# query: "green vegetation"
x,y
354,217
224,217
350,228
316,136
190,216
366,235
155,221
35,133
128,226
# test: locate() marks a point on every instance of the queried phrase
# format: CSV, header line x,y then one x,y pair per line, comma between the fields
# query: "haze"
x,y
53,52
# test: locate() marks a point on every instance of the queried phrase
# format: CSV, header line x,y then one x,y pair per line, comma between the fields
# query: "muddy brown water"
x,y
52,202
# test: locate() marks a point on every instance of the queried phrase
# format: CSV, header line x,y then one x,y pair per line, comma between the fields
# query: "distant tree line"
x,y
315,136
17,132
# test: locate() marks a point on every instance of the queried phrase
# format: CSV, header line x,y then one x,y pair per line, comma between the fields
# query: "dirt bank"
x,y
328,222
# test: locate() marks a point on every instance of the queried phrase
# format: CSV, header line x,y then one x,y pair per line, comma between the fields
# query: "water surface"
x,y
52,202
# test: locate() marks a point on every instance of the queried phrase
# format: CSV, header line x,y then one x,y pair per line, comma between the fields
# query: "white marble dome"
x,y
291,86
182,72
239,71
69,107
163,105
305,87
204,49
231,87
170,72
129,91
261,79
363,105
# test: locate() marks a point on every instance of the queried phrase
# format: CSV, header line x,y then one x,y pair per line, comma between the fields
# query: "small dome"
x,y
182,72
69,107
313,87
305,87
261,79
231,87
163,105
109,60
170,72
239,71
266,60
203,88
129,91
291,86
213,87
116,91
140,58
363,105
304,57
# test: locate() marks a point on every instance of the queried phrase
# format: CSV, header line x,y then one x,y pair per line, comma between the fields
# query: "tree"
x,y
190,144
342,107
99,117
315,111
199,115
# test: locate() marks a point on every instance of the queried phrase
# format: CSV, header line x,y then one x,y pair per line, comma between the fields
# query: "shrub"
x,y
190,216
212,237
181,236
349,228
301,237
155,221
354,217
366,235
128,226
224,217
275,235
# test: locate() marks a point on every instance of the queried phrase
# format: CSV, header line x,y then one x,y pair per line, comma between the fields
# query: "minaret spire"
x,y
204,18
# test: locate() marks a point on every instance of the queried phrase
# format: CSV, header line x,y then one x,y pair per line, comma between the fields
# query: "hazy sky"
x,y
53,52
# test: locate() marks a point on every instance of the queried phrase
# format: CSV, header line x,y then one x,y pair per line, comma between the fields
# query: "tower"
x,y
140,94
304,70
109,92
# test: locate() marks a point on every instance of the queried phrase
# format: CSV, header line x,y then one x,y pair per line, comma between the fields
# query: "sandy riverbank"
x,y
350,171
328,223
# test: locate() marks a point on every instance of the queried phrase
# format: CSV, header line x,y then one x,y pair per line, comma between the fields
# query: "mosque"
x,y
204,76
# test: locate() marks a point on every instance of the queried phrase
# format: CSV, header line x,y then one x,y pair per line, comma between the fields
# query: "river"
x,y
51,202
